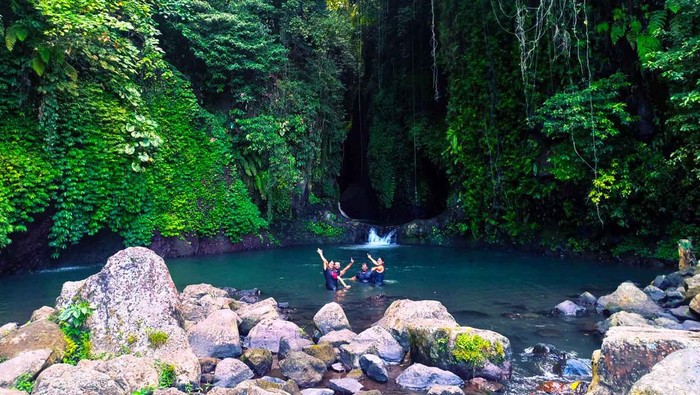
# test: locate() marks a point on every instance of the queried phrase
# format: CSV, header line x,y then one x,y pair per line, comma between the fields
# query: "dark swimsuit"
x,y
378,278
364,277
331,276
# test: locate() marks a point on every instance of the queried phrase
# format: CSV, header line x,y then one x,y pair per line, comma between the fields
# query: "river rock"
x,y
128,371
230,371
691,325
317,391
660,282
629,298
350,353
370,392
683,313
252,314
331,317
576,367
322,351
674,298
7,391
200,300
446,389
42,313
481,385
568,308
292,344
267,386
374,368
402,312
62,379
655,293
259,360
387,348
135,297
621,318
197,291
28,362
695,305
586,299
668,323
304,369
453,349
692,286
678,374
268,332
420,377
168,391
628,353
216,336
345,386
338,338
38,335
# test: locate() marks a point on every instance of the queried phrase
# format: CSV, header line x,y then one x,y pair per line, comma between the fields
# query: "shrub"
x,y
323,229
474,350
72,320
157,338
24,382
166,375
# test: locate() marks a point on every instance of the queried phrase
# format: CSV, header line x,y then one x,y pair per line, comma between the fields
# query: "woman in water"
x,y
377,270
364,275
332,272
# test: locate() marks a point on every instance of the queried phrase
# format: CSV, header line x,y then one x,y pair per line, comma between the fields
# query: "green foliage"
x,y
145,391
323,229
474,350
166,375
24,382
157,338
72,320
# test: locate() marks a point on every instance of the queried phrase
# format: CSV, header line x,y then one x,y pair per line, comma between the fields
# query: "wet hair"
x,y
364,264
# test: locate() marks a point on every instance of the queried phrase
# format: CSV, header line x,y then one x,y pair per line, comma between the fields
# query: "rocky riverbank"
x,y
126,330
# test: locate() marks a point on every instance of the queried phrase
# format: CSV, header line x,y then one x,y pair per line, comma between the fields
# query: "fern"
x,y
657,22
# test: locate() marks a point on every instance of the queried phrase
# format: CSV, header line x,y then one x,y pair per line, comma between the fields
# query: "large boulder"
x,y
268,332
621,318
627,297
386,347
420,377
338,338
137,307
38,335
678,374
331,317
258,360
230,372
466,351
27,363
216,336
402,312
304,369
252,314
128,371
628,353
62,379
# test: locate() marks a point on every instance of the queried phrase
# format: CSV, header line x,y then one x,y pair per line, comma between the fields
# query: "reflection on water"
x,y
505,292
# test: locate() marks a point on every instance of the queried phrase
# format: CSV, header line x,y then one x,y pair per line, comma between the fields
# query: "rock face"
x,y
621,318
267,334
468,352
402,312
64,379
331,317
678,374
258,360
629,298
568,308
216,336
129,372
420,377
38,335
338,338
28,362
628,353
304,369
229,372
135,297
252,314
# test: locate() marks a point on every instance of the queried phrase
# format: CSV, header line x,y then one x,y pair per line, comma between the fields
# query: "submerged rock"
x,y
403,312
628,353
627,297
331,317
420,377
678,374
586,299
568,308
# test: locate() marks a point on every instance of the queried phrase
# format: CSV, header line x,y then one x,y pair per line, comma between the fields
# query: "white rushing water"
x,y
374,239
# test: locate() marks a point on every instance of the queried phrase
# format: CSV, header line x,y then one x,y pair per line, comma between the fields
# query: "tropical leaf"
x,y
657,21
38,65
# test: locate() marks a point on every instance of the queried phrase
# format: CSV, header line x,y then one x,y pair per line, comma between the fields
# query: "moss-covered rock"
x,y
322,351
258,360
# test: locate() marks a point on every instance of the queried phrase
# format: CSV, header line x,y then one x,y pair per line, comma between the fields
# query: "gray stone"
x,y
216,336
338,367
420,377
576,367
374,368
69,292
267,386
28,362
230,372
621,318
331,317
674,298
7,328
38,335
292,344
628,353
42,313
7,391
317,391
252,314
200,300
62,379
403,312
678,374
692,286
627,297
387,348
445,390
664,322
350,353
135,297
683,312
569,309
586,299
268,332
197,291
691,325
128,371
695,305
322,351
304,369
655,293
258,360
345,386
338,338
168,391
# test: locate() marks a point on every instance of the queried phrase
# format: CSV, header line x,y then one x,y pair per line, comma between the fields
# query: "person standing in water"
x,y
332,272
364,275
377,270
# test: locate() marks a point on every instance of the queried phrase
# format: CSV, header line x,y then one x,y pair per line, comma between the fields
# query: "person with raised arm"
x,y
332,272
377,270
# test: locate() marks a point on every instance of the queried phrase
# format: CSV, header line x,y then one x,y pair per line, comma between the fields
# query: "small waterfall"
x,y
374,239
